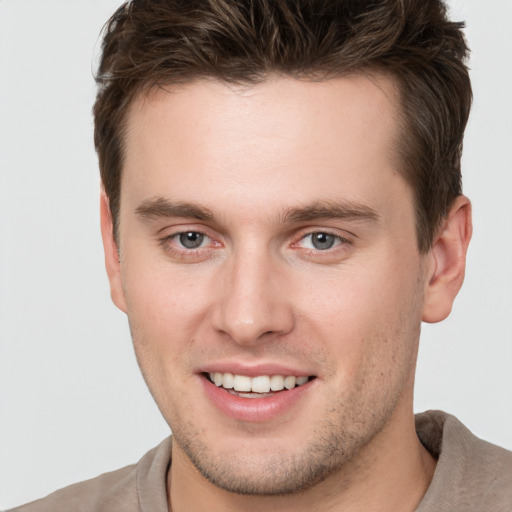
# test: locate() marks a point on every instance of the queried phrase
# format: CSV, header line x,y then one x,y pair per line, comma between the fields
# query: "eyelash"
x,y
338,241
169,243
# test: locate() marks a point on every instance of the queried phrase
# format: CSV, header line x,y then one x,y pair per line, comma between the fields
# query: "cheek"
x,y
163,324
367,318
353,298
164,310
162,298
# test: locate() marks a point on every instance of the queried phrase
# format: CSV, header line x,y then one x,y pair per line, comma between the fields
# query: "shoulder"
x,y
471,473
116,491
97,494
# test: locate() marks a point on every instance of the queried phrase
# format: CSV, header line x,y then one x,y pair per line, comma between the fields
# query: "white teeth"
x,y
217,378
276,382
228,380
289,382
242,383
259,384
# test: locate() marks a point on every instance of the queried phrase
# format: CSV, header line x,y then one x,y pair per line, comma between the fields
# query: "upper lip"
x,y
253,370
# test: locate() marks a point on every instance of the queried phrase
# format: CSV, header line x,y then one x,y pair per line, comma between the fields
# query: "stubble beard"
x,y
334,445
333,450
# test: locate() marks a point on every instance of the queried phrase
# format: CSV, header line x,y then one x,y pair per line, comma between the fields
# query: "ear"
x,y
447,262
112,260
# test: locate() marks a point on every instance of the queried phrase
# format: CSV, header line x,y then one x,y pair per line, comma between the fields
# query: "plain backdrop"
x,y
72,403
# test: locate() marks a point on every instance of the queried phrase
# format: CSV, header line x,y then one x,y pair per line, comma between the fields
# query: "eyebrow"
x,y
161,207
346,210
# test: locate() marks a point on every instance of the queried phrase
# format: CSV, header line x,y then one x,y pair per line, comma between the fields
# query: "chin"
x,y
264,467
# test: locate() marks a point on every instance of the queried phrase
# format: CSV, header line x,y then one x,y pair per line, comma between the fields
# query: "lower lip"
x,y
256,410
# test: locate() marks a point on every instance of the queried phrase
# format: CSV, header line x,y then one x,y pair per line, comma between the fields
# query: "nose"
x,y
253,302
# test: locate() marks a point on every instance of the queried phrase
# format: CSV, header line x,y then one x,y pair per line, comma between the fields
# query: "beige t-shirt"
x,y
471,476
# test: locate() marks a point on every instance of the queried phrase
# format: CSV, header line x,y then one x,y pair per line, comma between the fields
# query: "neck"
x,y
391,473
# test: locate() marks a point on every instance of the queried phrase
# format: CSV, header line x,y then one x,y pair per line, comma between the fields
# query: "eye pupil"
x,y
191,239
322,241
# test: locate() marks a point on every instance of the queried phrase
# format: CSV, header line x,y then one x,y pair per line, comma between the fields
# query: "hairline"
x,y
373,71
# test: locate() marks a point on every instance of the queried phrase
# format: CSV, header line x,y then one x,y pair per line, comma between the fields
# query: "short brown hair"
x,y
152,43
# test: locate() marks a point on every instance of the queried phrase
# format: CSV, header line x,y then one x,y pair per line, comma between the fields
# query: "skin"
x,y
260,160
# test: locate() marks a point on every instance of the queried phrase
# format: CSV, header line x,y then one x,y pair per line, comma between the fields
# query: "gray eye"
x,y
322,241
191,239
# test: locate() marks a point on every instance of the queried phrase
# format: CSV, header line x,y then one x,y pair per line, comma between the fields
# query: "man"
x,y
281,209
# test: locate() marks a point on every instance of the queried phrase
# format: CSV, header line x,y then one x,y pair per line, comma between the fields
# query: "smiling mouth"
x,y
260,386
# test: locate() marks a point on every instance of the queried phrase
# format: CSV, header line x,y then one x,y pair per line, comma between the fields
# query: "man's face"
x,y
265,234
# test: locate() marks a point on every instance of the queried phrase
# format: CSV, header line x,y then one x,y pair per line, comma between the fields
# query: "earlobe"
x,y
447,262
112,261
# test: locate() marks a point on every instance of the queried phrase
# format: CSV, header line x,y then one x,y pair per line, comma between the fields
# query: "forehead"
x,y
364,105
280,138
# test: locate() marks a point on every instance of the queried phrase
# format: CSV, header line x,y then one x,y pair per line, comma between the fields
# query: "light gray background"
x,y
72,403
